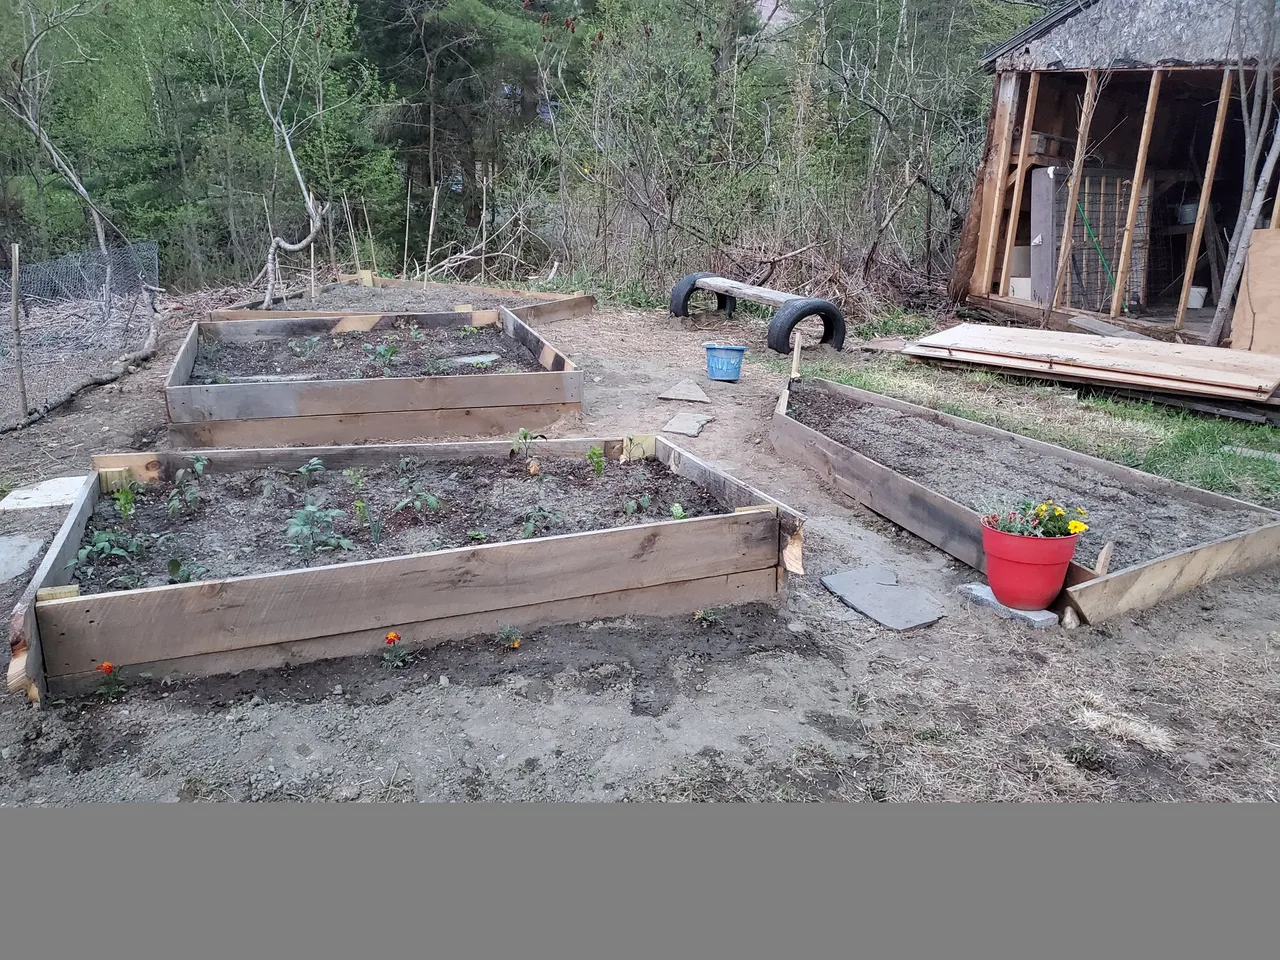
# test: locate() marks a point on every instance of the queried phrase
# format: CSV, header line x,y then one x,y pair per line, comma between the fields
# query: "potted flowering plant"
x,y
1029,549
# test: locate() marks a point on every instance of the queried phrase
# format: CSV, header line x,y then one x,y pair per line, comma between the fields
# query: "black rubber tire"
x,y
792,312
685,289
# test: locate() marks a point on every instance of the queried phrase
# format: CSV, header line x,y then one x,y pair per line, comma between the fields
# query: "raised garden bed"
x,y
469,541
275,379
934,474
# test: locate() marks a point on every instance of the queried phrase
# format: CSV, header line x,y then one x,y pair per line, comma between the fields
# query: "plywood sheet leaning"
x,y
956,529
1255,327
1171,367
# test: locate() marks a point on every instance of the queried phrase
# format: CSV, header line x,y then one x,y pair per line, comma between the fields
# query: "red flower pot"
x,y
1026,573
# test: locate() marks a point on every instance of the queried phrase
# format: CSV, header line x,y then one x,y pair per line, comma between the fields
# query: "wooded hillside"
x,y
632,142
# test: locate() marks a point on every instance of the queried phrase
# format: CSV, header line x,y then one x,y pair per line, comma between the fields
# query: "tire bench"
x,y
791,308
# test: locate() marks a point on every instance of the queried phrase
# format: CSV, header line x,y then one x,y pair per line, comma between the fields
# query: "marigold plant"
x,y
1046,519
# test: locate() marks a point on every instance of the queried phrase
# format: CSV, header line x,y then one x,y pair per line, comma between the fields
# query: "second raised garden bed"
x,y
273,379
217,568
933,474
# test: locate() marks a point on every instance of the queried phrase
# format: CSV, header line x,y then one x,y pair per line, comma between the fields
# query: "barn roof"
x,y
1101,34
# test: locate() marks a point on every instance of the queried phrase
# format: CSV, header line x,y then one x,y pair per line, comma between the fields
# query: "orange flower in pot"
x,y
1029,549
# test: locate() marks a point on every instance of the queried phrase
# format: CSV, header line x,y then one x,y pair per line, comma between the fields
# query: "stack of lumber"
x,y
1135,365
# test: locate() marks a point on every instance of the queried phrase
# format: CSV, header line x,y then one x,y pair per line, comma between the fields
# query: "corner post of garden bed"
x,y
26,672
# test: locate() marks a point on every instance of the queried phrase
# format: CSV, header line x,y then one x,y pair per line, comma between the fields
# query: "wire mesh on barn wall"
x,y
1097,236
78,315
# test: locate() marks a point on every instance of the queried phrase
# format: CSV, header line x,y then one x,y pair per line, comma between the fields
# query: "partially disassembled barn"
x,y
1092,99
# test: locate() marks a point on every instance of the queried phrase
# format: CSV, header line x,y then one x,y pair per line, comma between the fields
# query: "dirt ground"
x,y
1143,525
809,702
233,525
402,352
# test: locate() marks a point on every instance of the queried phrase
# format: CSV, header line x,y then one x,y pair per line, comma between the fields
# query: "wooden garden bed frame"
x,y
57,638
274,413
956,529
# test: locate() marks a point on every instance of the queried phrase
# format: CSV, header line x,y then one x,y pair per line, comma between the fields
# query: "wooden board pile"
x,y
1134,365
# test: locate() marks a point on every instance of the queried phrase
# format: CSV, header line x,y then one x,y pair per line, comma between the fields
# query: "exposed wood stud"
x,y
1135,193
1206,190
1019,182
1073,193
995,174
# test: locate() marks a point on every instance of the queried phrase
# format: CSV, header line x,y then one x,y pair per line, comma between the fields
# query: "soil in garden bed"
x,y
984,473
403,351
435,299
229,525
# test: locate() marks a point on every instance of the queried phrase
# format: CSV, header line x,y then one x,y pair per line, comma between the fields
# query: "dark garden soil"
x,y
237,524
987,473
435,299
405,351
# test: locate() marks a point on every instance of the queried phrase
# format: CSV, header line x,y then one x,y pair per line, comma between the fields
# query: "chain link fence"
x,y
77,316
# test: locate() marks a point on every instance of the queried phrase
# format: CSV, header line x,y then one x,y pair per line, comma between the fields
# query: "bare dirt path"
x,y
817,704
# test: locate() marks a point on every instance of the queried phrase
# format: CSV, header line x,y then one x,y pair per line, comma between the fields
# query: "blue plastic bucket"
x,y
724,363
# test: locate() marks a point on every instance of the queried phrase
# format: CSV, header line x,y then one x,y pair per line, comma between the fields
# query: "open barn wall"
x,y
1103,34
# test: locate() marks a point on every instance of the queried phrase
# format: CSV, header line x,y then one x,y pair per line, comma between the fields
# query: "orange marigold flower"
x,y
393,637
107,667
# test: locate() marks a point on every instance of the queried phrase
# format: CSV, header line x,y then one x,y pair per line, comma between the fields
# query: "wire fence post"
x,y
17,335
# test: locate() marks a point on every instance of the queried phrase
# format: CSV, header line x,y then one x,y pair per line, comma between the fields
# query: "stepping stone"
x,y
875,592
688,424
980,593
58,492
478,358
16,554
685,390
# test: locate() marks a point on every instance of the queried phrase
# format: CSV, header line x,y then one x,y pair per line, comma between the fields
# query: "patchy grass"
x,y
5,486
627,293
1164,441
896,323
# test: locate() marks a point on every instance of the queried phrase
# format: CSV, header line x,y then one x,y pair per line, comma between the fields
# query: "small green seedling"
x,y
632,506
125,502
185,496
376,530
468,331
304,347
417,498
481,364
523,443
408,465
309,469
415,333
707,618
180,571
384,354
311,531
595,457
355,477
677,512
538,518
107,546
361,511
509,638
478,535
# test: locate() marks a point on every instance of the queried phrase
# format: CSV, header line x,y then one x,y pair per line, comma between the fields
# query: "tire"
x,y
792,312
685,289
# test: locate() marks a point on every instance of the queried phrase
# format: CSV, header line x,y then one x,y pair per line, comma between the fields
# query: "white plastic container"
x,y
1195,300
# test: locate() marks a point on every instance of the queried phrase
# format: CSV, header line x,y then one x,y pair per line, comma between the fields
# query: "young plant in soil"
x,y
310,531
595,457
308,470
111,687
677,512
539,520
396,657
107,547
304,347
183,571
633,505
126,503
707,618
417,498
523,445
509,638
384,354
185,497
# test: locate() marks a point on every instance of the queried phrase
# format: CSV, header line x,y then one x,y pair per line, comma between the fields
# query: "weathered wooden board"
x,y
666,599
745,291
186,358
25,647
352,428
1255,326
266,400
138,626
548,356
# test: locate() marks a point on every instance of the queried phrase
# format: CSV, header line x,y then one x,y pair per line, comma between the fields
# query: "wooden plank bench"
x,y
791,308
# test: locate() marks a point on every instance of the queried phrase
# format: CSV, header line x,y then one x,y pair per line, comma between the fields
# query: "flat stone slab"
x,y
16,554
875,592
474,359
685,390
58,492
980,593
687,424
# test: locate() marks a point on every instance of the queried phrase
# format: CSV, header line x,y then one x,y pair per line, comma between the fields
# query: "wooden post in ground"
x,y
351,232
1020,179
408,209
1206,189
431,232
17,335
1135,194
995,174
795,359
1073,193
373,252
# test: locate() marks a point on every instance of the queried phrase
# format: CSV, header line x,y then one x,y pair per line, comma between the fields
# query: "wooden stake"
x,y
484,224
373,253
313,272
431,232
351,232
1104,558
408,198
1206,189
1073,193
795,359
17,334
1015,206
1135,194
